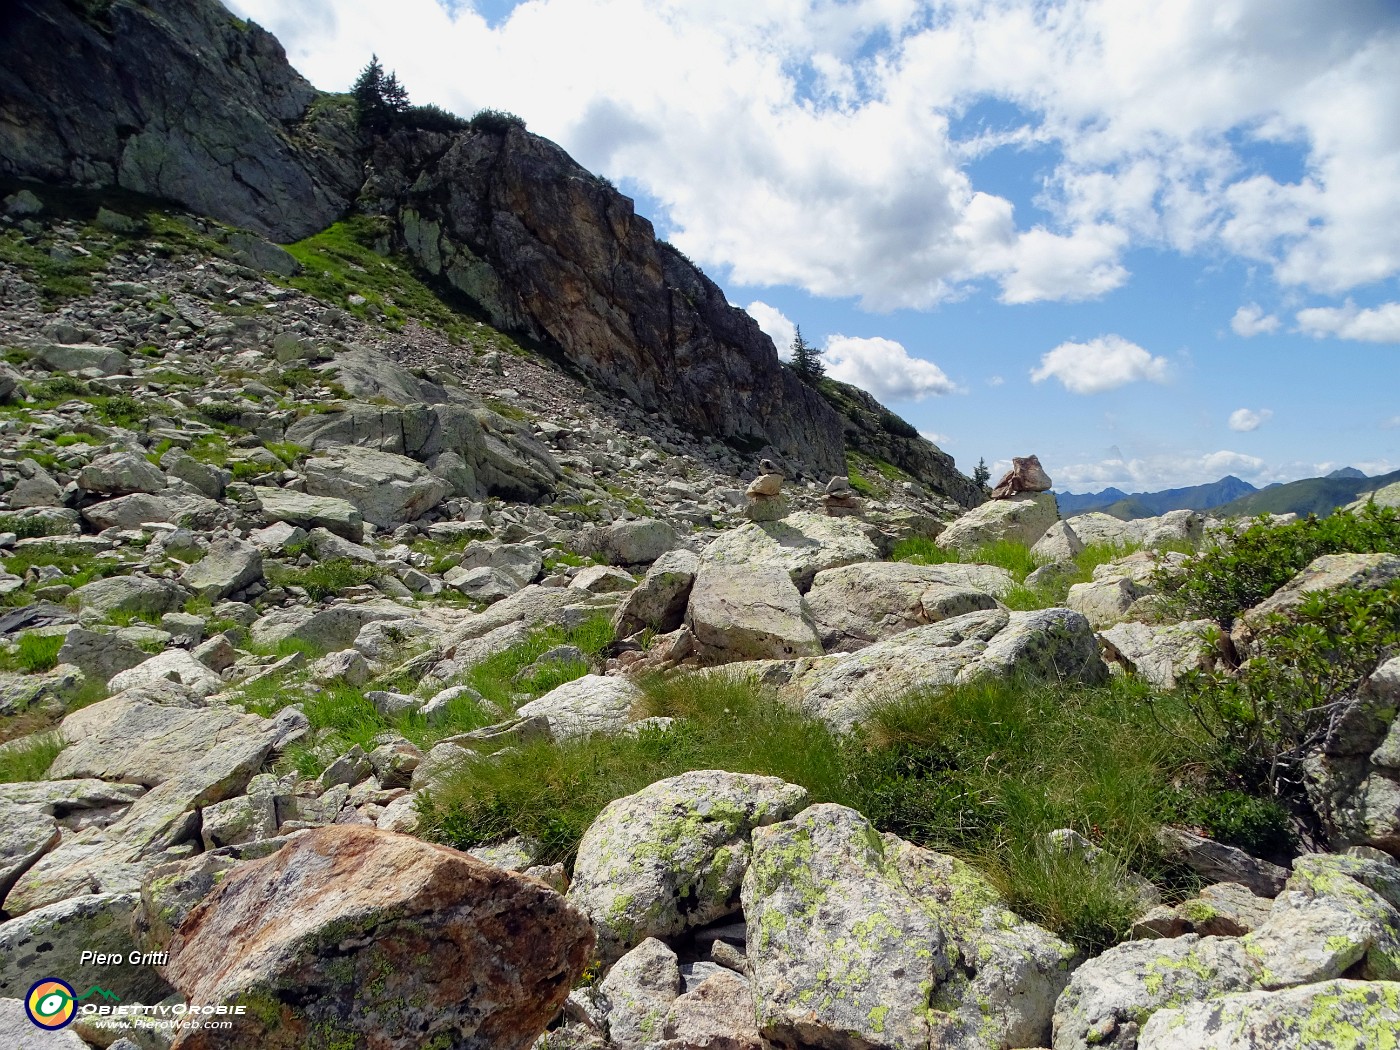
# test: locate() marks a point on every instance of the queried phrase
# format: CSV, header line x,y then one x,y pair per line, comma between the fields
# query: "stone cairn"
x,y
765,500
1026,475
840,500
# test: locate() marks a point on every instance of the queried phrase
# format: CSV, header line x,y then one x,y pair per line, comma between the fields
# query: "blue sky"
x,y
1152,243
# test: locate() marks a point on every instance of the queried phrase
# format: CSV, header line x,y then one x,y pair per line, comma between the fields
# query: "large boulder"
x,y
299,508
749,612
229,565
1329,572
120,474
1111,996
646,1002
129,594
855,605
78,357
99,655
130,738
1160,654
381,939
671,857
587,705
801,544
387,489
1336,1015
1051,643
1022,519
660,600
26,834
17,1030
1354,783
637,542
169,506
861,940
172,665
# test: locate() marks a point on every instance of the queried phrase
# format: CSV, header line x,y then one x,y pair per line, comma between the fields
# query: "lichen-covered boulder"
x,y
853,606
1159,654
1110,997
1329,572
1022,518
50,942
659,601
749,612
861,940
672,856
801,544
229,565
591,704
1333,1015
643,1004
387,489
380,939
1049,643
1336,915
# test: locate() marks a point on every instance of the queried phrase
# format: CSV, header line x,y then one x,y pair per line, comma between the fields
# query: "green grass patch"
x,y
341,261
32,526
30,758
497,678
34,653
77,568
983,772
324,579
1014,557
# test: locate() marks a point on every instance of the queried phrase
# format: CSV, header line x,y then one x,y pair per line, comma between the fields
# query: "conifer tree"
x,y
380,99
806,359
982,474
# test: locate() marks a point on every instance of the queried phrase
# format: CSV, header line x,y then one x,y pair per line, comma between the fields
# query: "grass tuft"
x,y
29,758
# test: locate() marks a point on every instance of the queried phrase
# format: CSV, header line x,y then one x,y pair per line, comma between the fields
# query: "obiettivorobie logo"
x,y
52,1004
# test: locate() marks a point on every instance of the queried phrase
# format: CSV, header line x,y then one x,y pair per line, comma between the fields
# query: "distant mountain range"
x,y
1231,496
1318,496
1149,504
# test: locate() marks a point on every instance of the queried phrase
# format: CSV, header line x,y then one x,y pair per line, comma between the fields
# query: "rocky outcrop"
x,y
175,99
553,253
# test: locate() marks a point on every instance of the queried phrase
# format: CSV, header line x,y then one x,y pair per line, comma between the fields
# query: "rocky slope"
x,y
182,101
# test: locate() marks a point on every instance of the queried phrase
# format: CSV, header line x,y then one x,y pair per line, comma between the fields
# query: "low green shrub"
x,y
1267,717
31,526
1231,576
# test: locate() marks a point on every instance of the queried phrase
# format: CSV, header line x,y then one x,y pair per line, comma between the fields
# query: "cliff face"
x,y
176,99
551,251
874,430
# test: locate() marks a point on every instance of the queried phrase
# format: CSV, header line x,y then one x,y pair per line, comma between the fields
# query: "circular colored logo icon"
x,y
50,1003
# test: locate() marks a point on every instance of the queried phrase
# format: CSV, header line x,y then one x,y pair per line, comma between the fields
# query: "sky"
x,y
1152,243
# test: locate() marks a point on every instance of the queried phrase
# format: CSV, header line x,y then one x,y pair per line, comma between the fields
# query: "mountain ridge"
x,y
1150,504
549,252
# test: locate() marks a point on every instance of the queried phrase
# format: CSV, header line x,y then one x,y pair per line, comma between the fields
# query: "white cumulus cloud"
x,y
1379,324
884,368
819,144
1246,419
1101,364
1250,321
775,325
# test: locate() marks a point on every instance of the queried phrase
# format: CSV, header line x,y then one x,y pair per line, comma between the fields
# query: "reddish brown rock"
x,y
359,937
1025,475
